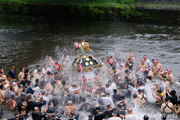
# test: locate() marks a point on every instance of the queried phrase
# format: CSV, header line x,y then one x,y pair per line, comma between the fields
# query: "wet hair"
x,y
26,65
29,96
83,99
63,83
122,97
126,71
21,69
115,90
55,73
12,65
37,80
113,67
146,117
0,67
37,66
173,92
134,95
90,116
107,85
167,99
11,88
53,82
139,90
1,86
1,72
28,82
107,93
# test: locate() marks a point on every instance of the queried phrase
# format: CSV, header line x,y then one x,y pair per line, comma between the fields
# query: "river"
x,y
27,40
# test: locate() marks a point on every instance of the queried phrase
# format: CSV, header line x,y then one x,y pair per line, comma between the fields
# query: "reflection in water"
x,y
28,40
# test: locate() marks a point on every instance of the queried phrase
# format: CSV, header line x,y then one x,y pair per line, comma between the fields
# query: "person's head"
x,y
11,88
114,114
122,97
109,82
167,99
155,62
107,85
98,109
39,71
146,71
146,117
139,91
115,91
23,111
145,57
52,116
29,97
127,72
107,94
134,96
12,67
50,104
108,106
16,115
173,93
169,71
36,109
163,117
1,68
1,73
164,78
20,85
76,92
83,100
159,92
21,69
142,62
70,103
37,81
29,83
38,67
8,77
63,83
113,68
119,61
90,117
129,110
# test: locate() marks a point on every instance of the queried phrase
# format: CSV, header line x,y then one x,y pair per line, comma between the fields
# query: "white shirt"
x,y
107,101
131,117
109,90
119,66
148,63
114,118
44,71
113,86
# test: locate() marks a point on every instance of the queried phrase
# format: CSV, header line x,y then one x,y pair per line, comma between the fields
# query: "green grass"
x,y
100,3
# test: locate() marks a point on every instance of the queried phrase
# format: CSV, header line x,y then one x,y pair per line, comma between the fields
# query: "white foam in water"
x,y
148,89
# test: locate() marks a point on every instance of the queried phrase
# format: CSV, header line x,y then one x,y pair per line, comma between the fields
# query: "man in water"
x,y
114,116
167,107
159,97
130,115
141,96
69,108
147,61
107,100
170,76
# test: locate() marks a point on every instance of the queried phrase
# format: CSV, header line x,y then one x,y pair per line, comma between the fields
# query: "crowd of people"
x,y
53,92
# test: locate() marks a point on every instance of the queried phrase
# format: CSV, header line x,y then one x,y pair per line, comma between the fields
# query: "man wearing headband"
x,y
130,115
69,108
114,116
143,66
159,96
170,76
165,81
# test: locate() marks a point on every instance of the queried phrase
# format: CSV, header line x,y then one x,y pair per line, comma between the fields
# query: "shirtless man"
x,y
1,70
136,101
155,67
159,96
141,96
167,107
170,76
39,75
69,108
2,76
21,74
143,66
50,87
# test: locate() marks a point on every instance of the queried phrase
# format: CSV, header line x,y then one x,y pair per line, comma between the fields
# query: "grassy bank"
x,y
121,10
100,3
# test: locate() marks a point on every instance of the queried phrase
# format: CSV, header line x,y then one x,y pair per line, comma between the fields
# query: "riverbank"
x,y
93,10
